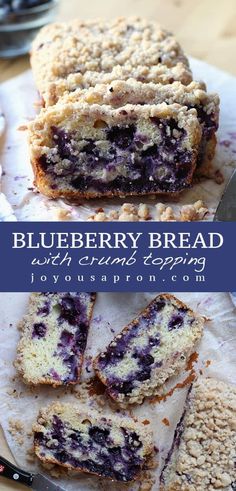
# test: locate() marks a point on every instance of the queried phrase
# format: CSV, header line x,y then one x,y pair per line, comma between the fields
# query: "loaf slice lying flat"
x,y
84,440
153,347
53,337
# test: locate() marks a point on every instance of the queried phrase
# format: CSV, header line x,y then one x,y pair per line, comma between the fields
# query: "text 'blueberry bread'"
x,y
84,53
152,348
203,453
53,337
194,95
84,440
80,150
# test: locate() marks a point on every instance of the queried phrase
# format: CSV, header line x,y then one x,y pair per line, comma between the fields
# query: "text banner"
x,y
117,256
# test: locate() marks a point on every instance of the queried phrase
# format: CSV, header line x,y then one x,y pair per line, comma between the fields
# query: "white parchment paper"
x,y
17,97
112,312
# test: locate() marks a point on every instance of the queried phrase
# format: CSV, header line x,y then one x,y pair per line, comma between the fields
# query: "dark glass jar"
x,y
19,26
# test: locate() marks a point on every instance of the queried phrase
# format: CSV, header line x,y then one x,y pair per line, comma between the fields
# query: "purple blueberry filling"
x,y
121,137
147,355
39,330
120,462
176,322
71,310
73,339
44,310
129,166
208,122
73,325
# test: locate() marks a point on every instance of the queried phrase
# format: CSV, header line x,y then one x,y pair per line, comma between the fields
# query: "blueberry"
x,y
65,338
39,330
44,311
122,137
72,363
99,435
154,341
175,323
159,305
122,387
150,151
147,360
69,308
62,456
134,441
57,430
63,141
115,451
81,337
144,375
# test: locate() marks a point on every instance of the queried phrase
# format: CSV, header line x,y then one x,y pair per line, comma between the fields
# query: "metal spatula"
x,y
226,211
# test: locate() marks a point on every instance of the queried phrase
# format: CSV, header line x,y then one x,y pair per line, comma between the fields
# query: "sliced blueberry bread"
x,y
83,150
194,95
152,348
84,53
203,453
110,446
53,338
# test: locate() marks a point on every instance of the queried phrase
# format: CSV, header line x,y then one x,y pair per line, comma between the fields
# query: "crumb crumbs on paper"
x,y
163,213
165,422
30,455
14,393
64,214
16,430
193,359
218,177
146,422
208,363
181,385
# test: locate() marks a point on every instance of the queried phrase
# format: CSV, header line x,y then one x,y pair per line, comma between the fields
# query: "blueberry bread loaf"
x,y
194,95
152,348
84,53
53,338
91,150
111,446
202,456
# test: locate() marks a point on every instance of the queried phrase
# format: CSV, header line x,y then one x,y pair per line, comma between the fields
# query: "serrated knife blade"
x,y
226,211
41,483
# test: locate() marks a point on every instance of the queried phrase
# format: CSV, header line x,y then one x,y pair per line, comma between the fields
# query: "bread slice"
x,y
202,456
53,338
152,348
83,53
120,92
80,150
111,446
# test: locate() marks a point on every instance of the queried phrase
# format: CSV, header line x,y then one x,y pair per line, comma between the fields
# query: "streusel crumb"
x,y
142,212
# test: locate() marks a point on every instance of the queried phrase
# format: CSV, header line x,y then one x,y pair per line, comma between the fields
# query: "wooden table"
x,y
205,28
